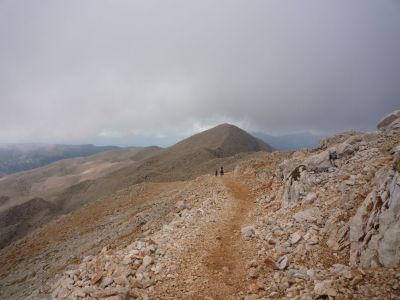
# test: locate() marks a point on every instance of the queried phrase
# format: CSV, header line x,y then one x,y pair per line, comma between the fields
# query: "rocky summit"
x,y
313,224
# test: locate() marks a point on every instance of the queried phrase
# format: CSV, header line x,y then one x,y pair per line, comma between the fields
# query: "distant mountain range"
x,y
21,157
67,185
291,141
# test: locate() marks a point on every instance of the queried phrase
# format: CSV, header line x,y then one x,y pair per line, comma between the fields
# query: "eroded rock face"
x,y
389,119
336,139
296,186
301,175
375,229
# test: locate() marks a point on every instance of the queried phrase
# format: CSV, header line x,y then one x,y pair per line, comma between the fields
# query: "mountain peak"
x,y
226,138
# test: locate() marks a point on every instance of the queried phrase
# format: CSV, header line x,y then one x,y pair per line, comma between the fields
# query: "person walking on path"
x,y
216,172
221,172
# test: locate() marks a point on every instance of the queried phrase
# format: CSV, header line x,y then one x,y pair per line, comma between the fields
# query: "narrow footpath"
x,y
215,267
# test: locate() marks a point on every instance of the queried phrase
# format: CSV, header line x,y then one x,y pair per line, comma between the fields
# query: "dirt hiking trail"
x,y
215,265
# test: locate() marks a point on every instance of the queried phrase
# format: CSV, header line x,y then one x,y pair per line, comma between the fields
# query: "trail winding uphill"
x,y
215,264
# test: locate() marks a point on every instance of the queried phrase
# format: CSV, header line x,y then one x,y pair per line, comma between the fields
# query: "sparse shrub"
x,y
295,174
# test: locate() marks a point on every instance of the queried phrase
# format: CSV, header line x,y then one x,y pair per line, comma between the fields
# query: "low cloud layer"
x,y
135,72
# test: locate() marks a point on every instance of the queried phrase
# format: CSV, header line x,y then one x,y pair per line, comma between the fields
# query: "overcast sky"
x,y
137,72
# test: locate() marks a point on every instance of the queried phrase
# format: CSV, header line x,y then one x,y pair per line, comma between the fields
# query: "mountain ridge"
x,y
70,184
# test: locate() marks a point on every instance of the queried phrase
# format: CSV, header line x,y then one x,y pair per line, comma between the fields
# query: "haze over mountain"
x,y
290,141
132,74
21,157
67,185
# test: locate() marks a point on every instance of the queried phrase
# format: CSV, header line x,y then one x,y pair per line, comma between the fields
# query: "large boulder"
x,y
319,162
375,228
389,119
309,215
297,186
336,139
349,146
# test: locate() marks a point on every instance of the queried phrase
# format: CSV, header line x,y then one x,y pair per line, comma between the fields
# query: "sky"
x,y
152,72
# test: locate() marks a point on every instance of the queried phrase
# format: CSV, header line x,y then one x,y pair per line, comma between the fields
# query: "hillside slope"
x,y
199,154
224,139
70,184
280,226
57,185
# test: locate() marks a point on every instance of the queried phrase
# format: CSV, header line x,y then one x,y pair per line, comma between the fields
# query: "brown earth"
x,y
219,254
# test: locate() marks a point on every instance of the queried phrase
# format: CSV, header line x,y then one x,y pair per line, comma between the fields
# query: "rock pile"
x,y
134,271
118,274
333,219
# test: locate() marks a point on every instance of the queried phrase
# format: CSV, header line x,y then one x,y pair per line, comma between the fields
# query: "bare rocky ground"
x,y
281,226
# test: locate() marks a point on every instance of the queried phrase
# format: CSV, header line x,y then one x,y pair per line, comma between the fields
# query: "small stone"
x,y
106,282
252,264
147,260
308,215
297,275
356,280
121,280
295,238
312,242
270,264
253,288
88,289
78,293
311,273
351,181
248,231
96,278
127,260
324,287
107,292
253,273
180,205
273,295
148,283
135,283
310,198
283,262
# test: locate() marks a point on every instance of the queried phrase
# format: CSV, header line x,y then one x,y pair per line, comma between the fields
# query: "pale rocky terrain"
x,y
32,198
280,225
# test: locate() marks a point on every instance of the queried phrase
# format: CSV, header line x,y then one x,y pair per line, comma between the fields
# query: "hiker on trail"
x,y
332,158
221,172
216,172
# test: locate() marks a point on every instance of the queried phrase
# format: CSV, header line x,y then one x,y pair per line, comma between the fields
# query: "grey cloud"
x,y
71,71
